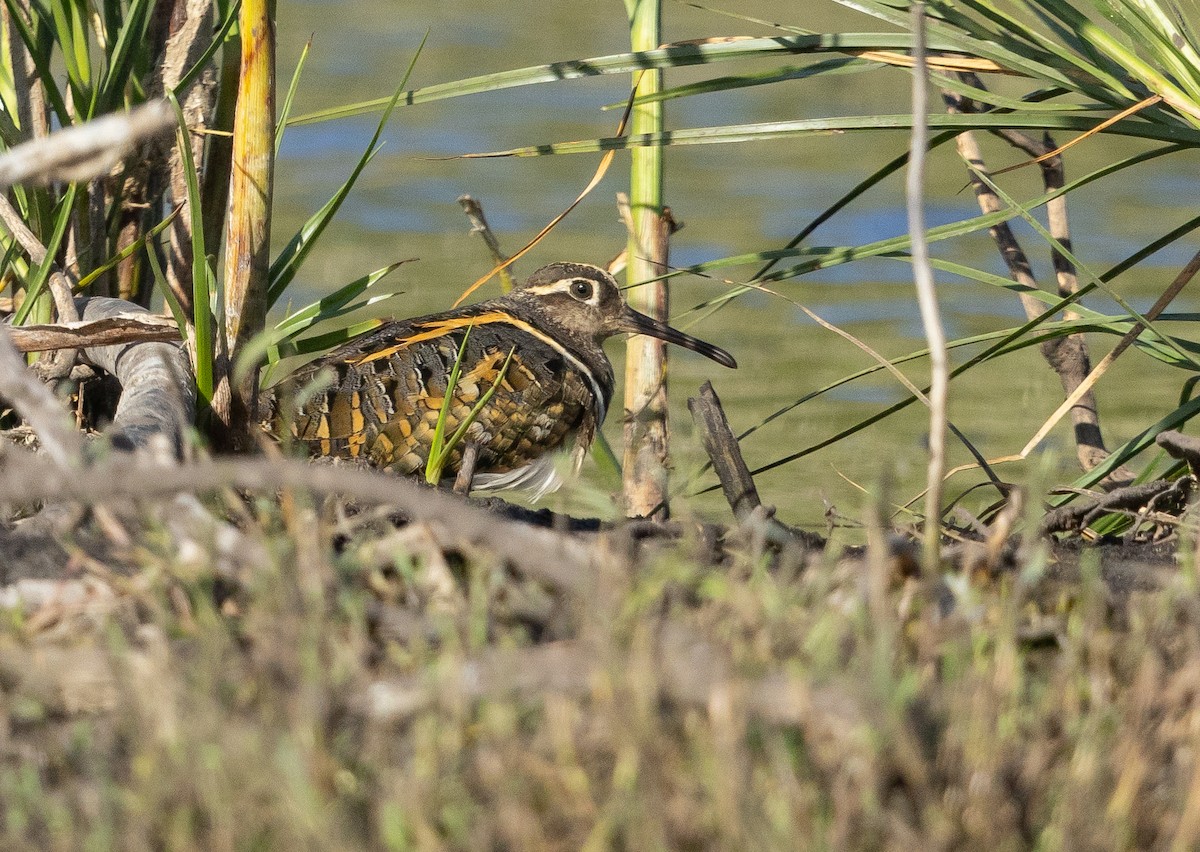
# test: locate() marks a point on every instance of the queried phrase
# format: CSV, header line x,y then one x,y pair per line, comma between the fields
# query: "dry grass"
x,y
340,684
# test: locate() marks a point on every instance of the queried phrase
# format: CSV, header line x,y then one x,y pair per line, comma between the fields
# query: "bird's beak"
x,y
637,323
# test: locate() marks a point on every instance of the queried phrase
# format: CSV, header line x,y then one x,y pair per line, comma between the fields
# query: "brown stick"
x,y
646,429
479,225
466,469
104,332
724,452
736,481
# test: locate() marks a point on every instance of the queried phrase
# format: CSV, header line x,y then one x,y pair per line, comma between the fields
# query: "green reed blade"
x,y
473,415
437,459
286,110
204,283
37,281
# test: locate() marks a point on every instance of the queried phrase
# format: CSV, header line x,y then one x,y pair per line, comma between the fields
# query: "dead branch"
x,y
479,225
734,475
1077,516
158,390
1068,356
724,452
102,332
1181,446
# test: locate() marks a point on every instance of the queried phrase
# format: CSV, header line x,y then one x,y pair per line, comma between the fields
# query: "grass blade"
x,y
471,417
826,67
827,257
327,306
437,450
128,251
284,269
37,281
670,56
286,109
129,41
204,282
761,131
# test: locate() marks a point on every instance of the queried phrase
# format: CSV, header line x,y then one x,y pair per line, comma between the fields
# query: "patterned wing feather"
x,y
388,387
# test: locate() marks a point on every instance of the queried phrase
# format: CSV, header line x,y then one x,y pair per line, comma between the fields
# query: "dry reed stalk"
x,y
190,34
931,319
646,430
248,232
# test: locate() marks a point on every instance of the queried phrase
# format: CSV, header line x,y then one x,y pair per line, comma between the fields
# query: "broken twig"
x,y
101,332
479,225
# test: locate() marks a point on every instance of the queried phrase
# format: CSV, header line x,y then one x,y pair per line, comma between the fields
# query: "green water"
x,y
732,199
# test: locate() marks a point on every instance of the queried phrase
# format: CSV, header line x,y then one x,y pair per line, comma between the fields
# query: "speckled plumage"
x,y
380,394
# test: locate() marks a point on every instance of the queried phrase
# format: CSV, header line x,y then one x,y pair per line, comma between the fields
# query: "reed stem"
x,y
248,232
931,317
645,464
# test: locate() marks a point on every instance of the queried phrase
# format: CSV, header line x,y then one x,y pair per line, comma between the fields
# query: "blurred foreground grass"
x,y
360,688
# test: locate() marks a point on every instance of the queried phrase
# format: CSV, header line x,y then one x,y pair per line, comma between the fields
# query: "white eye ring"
x,y
581,289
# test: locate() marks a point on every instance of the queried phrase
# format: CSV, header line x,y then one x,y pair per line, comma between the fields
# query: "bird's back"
x,y
383,392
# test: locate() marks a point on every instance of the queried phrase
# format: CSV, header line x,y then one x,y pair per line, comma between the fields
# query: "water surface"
x,y
732,199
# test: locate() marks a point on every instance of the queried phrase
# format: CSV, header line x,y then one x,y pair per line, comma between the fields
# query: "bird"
x,y
378,397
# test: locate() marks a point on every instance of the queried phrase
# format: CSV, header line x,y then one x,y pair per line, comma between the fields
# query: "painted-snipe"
x,y
384,390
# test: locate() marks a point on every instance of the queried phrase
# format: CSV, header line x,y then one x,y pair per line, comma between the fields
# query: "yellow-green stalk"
x,y
645,469
248,231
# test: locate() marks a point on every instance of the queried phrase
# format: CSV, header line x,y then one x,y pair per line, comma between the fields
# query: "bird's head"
x,y
585,301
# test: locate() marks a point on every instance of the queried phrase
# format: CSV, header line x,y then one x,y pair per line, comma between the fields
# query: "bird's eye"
x,y
581,289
